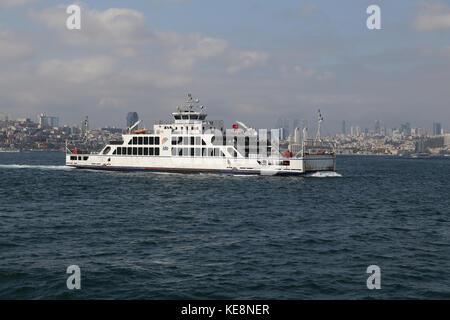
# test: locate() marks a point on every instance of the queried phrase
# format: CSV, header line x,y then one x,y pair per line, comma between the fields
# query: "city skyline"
x,y
280,60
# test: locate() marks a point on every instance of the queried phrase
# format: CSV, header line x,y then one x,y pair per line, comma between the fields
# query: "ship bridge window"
x,y
73,158
177,117
194,117
202,117
185,117
107,149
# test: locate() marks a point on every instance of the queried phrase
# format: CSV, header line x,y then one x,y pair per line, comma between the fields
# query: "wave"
x,y
41,167
324,174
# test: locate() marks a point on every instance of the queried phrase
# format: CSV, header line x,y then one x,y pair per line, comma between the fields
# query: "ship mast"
x,y
319,122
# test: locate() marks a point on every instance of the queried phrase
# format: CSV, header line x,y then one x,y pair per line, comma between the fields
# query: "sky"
x,y
247,60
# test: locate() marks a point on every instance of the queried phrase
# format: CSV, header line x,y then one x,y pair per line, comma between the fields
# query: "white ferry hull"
x,y
297,166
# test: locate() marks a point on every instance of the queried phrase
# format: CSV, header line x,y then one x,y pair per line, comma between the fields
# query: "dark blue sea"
x,y
177,236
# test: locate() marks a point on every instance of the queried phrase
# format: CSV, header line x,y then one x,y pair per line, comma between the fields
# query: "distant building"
x,y
132,118
47,121
344,129
377,127
437,128
405,129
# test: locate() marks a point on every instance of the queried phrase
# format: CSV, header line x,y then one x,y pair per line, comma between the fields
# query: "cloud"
x,y
187,49
247,59
77,70
13,3
432,16
112,27
11,48
304,11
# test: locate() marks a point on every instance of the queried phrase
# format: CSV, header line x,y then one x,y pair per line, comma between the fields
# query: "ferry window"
x,y
185,141
131,141
156,140
79,157
150,151
107,149
85,158
73,158
192,141
203,142
124,150
130,151
119,151
204,154
140,140
134,140
115,151
194,117
192,152
145,140
140,151
197,152
174,151
222,154
216,152
185,117
151,140
174,141
185,152
202,117
145,151
180,140
134,151
180,151
197,141
156,151
177,117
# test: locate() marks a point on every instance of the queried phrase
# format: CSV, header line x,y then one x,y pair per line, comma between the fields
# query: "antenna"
x,y
319,121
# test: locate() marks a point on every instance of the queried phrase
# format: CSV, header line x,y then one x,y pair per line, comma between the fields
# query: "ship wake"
x,y
324,174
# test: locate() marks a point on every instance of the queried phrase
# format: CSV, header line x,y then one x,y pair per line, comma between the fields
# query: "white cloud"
x,y
77,70
112,27
432,16
186,50
13,3
247,59
11,48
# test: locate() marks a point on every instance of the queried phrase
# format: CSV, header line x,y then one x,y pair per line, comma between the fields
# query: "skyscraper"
x,y
437,128
132,118
377,127
344,129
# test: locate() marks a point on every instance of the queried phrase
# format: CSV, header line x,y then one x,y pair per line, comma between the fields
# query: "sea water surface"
x,y
181,236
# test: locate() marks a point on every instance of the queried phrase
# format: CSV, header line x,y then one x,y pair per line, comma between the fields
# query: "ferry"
x,y
190,143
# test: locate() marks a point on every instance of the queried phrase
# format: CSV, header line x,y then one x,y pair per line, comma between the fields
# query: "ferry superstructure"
x,y
192,144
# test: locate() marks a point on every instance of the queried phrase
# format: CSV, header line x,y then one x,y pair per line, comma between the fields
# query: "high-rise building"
x,y
47,121
437,128
132,118
405,129
377,127
344,129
